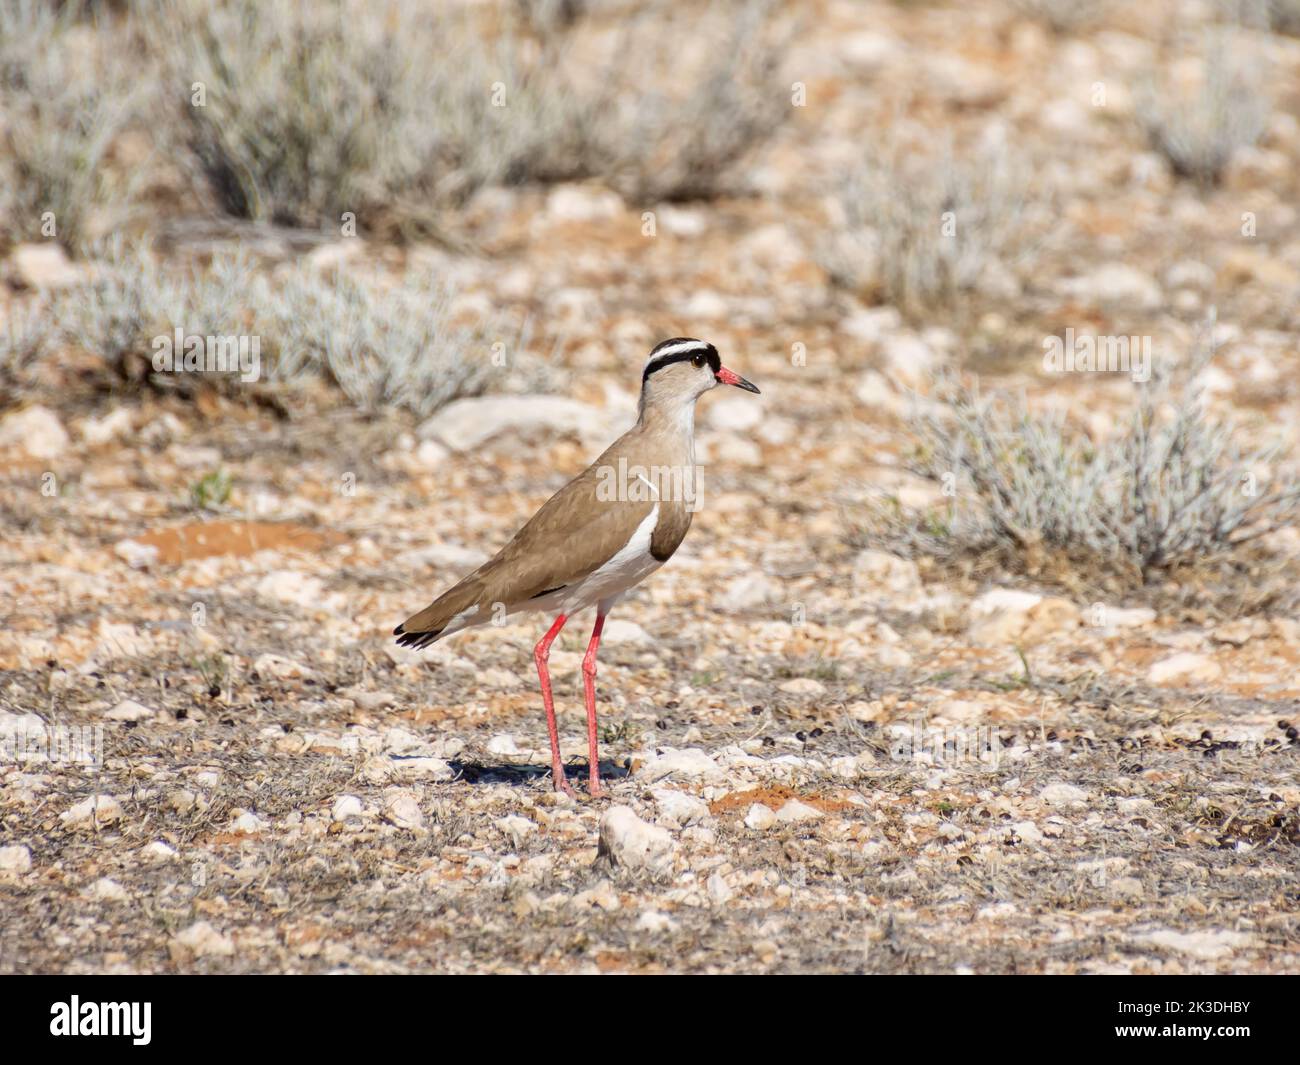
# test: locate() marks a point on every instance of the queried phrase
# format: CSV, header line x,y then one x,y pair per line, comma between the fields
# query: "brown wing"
x,y
575,532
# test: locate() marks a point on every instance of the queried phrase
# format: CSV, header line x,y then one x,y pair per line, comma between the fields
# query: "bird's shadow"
x,y
476,772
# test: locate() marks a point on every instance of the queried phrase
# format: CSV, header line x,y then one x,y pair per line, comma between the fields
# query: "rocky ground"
x,y
820,756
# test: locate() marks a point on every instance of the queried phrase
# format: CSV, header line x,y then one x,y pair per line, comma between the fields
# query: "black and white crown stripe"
x,y
680,349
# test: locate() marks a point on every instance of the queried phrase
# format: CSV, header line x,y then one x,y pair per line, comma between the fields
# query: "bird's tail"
x,y
455,609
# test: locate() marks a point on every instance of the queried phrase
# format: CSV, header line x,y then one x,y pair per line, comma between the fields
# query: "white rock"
x,y
602,895
15,859
1207,946
1187,667
1028,831
1190,273
346,806
423,767
247,823
879,571
908,359
1114,617
402,809
688,763
867,52
719,890
774,246
334,255
1061,794
629,842
681,806
794,810
802,686
872,324
158,851
1003,599
874,389
373,700
654,921
113,425
468,423
203,941
734,413
108,890
290,586
1127,887
136,555
582,203
280,668
1005,616
36,430
96,810
129,710
759,817
706,305
1115,285
44,265
751,590
432,454
681,221
618,630
120,640
516,827
503,744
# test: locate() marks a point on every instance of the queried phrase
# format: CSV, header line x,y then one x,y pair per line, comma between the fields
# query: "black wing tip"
x,y
418,640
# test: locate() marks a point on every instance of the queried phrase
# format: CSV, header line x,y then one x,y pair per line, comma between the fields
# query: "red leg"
x,y
589,690
540,654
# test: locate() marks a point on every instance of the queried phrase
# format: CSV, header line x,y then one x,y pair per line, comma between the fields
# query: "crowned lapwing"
x,y
602,533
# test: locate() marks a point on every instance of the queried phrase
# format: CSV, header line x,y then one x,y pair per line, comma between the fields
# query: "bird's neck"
x,y
671,425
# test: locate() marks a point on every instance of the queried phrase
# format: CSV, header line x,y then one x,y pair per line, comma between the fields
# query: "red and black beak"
x,y
728,378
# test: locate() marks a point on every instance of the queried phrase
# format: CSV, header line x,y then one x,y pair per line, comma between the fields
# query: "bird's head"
x,y
682,369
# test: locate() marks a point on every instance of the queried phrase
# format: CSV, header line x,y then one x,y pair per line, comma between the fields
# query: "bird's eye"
x,y
698,360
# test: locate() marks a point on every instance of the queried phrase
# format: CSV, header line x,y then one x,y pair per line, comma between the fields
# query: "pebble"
x,y
278,667
129,710
467,424
402,809
108,890
689,763
681,807
654,921
94,811
1061,794
719,890
15,859
35,430
346,806
793,810
1187,667
201,940
632,843
1205,945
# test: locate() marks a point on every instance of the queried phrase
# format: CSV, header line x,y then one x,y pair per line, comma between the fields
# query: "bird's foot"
x,y
595,790
561,783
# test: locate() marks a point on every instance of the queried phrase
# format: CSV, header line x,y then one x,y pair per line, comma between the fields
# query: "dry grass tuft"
x,y
1172,487
1199,130
62,101
409,346
927,226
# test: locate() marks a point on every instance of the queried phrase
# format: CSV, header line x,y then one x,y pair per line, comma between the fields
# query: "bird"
x,y
601,534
